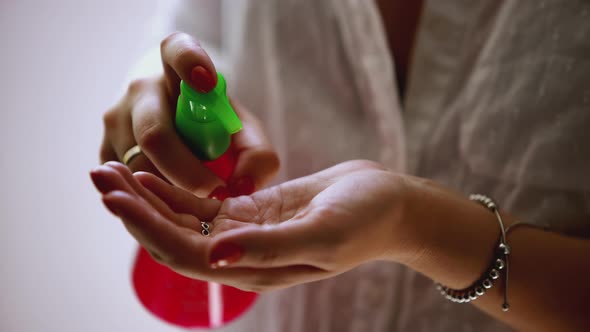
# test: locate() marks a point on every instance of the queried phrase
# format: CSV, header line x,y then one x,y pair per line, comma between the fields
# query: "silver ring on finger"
x,y
205,229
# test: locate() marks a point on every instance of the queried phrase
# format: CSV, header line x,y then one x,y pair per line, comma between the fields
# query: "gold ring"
x,y
130,154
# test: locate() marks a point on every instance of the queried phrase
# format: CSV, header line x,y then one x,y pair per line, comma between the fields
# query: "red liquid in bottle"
x,y
187,302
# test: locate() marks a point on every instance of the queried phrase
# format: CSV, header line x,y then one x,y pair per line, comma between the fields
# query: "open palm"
x,y
302,230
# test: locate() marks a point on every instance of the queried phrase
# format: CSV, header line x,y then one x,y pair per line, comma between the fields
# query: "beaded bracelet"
x,y
499,265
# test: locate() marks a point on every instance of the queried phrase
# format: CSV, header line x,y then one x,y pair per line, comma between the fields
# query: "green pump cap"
x,y
206,121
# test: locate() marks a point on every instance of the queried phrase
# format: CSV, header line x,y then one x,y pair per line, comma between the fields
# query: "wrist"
x,y
405,244
446,237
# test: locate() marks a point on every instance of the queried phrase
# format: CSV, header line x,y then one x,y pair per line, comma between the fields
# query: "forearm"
x,y
548,287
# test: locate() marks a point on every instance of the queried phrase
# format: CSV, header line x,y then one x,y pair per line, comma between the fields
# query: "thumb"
x,y
265,246
184,59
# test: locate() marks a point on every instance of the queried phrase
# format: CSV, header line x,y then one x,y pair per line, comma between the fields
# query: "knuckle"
x,y
150,138
136,86
109,118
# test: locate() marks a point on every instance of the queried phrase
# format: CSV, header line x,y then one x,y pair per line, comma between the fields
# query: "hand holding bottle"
x,y
145,117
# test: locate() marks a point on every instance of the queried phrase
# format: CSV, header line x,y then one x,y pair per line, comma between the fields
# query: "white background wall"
x,y
64,261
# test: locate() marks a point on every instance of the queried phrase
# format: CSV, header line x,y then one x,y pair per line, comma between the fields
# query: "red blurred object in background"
x,y
187,302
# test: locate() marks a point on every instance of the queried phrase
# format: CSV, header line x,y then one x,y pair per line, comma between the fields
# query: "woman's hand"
x,y
306,229
329,222
145,117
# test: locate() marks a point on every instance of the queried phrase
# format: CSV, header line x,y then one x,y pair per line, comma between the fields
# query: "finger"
x,y
113,176
181,219
107,179
125,176
289,243
179,200
257,159
141,163
265,280
107,153
184,59
168,245
157,234
118,138
180,251
153,129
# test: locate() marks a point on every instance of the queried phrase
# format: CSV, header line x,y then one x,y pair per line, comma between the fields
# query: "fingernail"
x,y
241,186
98,180
202,79
111,208
224,255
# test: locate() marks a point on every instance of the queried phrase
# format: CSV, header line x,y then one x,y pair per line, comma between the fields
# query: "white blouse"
x,y
498,103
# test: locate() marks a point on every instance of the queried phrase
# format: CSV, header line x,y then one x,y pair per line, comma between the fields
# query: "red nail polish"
x,y
94,174
111,208
202,79
241,186
220,193
224,255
